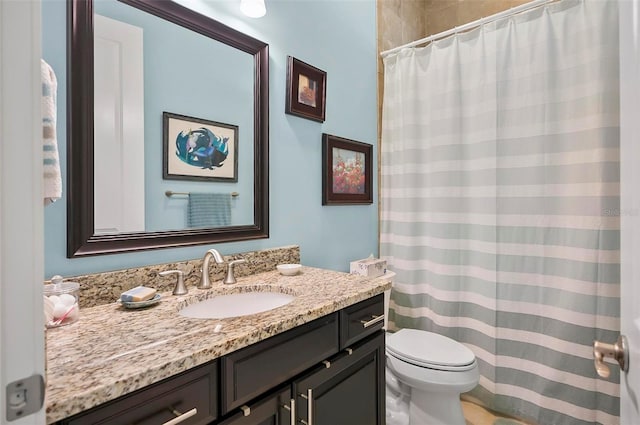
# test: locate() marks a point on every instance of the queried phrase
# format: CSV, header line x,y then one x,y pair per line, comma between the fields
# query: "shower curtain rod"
x,y
513,11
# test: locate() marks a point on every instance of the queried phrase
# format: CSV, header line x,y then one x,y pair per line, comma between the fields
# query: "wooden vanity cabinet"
x,y
326,372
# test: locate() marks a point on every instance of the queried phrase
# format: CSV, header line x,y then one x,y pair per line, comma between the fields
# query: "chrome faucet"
x,y
230,278
179,289
205,283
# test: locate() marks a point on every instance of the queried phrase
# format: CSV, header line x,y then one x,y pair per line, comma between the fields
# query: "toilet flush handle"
x,y
618,351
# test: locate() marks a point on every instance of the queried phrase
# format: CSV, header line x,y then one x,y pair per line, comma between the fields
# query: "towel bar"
x,y
170,193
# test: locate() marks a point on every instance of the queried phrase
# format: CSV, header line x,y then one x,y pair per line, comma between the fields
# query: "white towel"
x,y
51,161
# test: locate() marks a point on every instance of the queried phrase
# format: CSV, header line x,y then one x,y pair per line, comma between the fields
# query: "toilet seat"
x,y
430,350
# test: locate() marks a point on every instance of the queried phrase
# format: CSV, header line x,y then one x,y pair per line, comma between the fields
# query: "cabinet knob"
x,y
246,410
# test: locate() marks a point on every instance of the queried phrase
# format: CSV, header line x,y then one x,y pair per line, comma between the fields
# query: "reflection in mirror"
x,y
146,66
131,63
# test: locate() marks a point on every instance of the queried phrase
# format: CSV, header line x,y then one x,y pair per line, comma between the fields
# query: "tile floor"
x,y
476,415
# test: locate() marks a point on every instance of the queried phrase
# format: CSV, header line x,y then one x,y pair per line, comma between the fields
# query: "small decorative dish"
x,y
289,269
140,304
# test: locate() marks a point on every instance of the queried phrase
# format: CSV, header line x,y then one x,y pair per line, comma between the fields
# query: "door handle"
x,y
618,351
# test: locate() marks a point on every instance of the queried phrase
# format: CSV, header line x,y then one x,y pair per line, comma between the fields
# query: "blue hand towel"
x,y
51,161
209,209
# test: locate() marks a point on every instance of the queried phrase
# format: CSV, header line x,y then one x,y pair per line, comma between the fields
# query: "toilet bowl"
x,y
426,373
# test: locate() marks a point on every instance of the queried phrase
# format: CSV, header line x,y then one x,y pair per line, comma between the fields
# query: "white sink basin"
x,y
234,305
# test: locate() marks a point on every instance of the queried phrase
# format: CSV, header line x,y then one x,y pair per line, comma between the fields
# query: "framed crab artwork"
x,y
199,149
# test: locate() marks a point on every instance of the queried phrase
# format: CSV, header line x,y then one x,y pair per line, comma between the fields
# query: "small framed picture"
x,y
198,149
306,88
347,168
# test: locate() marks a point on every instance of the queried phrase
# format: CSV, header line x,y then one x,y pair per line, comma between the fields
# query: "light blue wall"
x,y
338,37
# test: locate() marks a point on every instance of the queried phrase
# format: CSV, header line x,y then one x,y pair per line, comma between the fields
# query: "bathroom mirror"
x,y
82,237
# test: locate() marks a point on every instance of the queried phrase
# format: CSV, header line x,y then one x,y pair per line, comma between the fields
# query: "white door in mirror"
x,y
118,127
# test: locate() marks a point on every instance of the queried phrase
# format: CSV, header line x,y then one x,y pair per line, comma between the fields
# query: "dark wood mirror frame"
x,y
81,240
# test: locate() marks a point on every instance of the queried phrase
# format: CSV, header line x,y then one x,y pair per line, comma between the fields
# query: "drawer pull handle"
x,y
246,410
349,351
292,411
309,398
376,319
327,363
310,406
181,417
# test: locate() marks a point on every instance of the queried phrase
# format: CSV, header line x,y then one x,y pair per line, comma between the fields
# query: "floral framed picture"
x,y
198,149
306,88
347,167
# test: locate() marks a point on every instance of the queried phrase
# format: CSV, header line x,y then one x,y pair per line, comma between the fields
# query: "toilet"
x,y
425,375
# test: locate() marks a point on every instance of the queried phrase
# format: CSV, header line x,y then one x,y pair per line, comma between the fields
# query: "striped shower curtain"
x,y
500,204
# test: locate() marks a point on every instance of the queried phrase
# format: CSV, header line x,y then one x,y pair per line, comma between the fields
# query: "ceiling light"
x,y
253,8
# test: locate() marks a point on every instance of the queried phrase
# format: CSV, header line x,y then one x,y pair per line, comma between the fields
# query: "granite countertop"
x,y
112,351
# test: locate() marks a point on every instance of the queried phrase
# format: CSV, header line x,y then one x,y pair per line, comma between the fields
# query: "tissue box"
x,y
370,267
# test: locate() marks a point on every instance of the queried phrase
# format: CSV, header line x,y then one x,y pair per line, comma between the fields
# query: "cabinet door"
x,y
348,390
275,409
252,371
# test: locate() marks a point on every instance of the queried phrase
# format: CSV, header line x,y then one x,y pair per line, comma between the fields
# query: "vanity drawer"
x,y
161,402
252,371
360,320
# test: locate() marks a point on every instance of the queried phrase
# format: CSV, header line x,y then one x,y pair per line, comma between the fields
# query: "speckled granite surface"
x,y
104,288
111,351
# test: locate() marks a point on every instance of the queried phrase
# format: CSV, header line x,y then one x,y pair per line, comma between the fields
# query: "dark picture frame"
x,y
347,168
198,149
306,90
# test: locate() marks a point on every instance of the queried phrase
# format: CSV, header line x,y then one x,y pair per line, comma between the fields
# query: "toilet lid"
x,y
428,349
